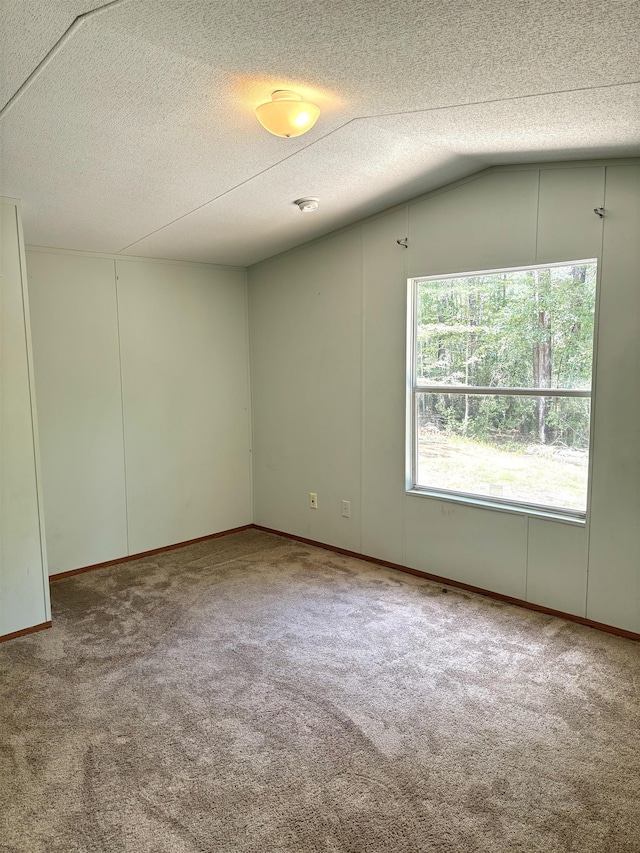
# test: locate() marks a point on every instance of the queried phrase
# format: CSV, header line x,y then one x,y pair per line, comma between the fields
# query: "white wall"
x,y
327,332
141,371
24,594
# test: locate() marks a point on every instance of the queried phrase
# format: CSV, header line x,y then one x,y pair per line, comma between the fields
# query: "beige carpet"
x,y
254,694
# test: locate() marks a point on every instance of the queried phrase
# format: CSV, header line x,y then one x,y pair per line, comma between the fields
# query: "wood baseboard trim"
x,y
23,633
62,575
497,596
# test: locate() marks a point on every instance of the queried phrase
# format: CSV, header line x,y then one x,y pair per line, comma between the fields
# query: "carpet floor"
x,y
251,694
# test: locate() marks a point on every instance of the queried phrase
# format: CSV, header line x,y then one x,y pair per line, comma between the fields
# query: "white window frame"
x,y
413,389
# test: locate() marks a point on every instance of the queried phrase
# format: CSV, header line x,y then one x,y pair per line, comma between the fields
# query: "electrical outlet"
x,y
346,509
313,500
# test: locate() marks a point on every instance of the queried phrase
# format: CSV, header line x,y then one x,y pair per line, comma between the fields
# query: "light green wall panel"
x,y
384,354
24,591
480,547
568,229
74,319
306,345
557,565
614,552
183,337
486,223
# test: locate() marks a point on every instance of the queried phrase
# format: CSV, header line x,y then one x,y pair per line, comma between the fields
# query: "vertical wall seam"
x,y
124,436
526,564
362,386
594,383
638,375
406,408
637,382
252,489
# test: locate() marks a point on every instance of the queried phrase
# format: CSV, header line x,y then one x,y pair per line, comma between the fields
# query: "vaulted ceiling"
x,y
128,126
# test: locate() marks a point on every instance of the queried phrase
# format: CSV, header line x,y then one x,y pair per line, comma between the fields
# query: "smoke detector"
x,y
306,205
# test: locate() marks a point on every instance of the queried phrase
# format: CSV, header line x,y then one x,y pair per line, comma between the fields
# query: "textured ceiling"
x,y
136,134
28,31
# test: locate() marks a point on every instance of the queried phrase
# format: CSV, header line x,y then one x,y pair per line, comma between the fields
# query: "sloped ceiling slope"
x,y
134,132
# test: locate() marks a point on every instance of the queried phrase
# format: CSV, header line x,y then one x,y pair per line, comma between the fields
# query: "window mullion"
x,y
499,391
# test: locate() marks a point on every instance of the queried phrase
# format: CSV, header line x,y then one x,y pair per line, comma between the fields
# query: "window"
x,y
500,364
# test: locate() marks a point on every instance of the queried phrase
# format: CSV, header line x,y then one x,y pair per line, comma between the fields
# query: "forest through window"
x,y
501,384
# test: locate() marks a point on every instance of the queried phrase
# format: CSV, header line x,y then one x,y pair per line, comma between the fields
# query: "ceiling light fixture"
x,y
306,205
286,114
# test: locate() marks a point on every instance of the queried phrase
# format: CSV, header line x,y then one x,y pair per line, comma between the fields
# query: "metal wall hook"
x,y
599,211
404,242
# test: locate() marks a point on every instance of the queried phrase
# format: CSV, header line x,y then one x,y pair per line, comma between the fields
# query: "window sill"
x,y
513,509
